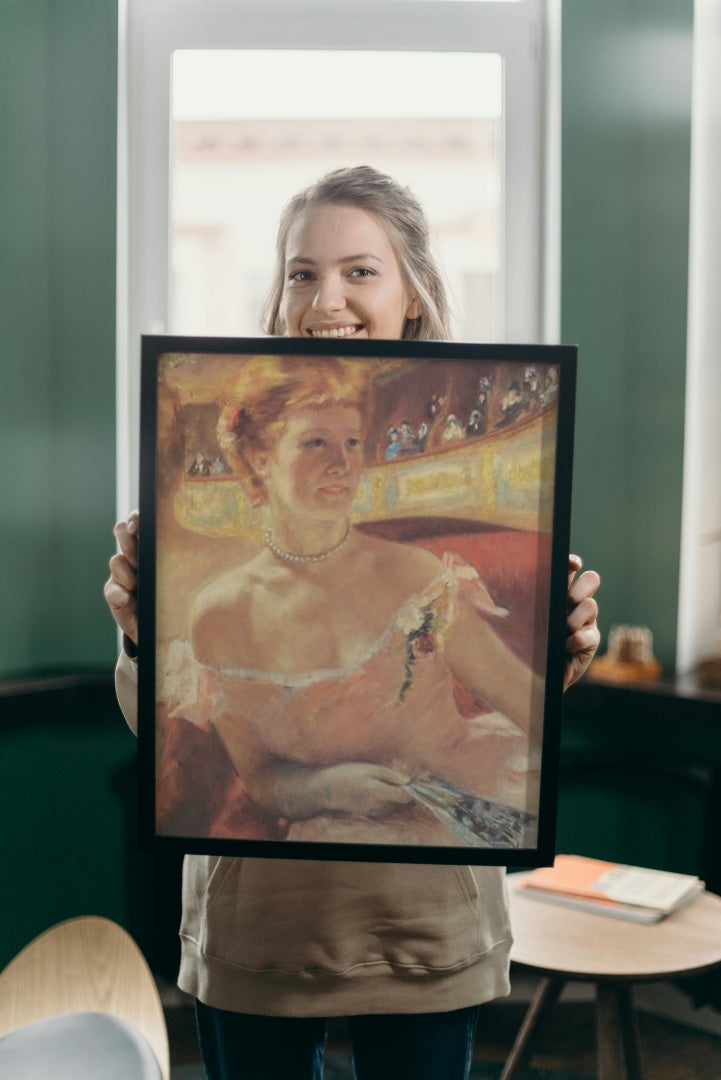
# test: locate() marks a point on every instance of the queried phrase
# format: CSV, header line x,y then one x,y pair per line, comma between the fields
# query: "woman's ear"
x,y
415,309
259,461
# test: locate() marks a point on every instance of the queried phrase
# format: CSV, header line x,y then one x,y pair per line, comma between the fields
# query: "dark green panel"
x,y
82,222
69,803
626,146
58,75
626,817
63,785
26,482
641,779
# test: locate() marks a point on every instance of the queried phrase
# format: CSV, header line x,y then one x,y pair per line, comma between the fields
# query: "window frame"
x,y
699,594
526,34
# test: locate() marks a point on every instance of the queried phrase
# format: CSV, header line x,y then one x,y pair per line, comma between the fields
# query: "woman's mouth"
x,y
334,331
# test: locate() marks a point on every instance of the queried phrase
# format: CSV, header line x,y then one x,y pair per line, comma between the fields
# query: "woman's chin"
x,y
335,503
331,519
330,502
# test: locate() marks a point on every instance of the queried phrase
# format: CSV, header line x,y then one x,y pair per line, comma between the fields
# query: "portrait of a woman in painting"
x,y
349,672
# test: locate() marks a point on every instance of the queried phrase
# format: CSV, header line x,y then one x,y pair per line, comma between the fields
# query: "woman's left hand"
x,y
583,635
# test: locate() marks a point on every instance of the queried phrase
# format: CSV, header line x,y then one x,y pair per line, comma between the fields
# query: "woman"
x,y
272,948
328,663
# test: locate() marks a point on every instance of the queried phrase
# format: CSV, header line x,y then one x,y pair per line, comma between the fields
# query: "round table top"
x,y
559,940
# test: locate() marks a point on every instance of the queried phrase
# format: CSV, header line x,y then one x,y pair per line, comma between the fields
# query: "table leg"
x,y
617,1033
545,997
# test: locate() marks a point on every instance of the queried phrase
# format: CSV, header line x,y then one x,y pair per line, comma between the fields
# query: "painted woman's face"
x,y
314,467
342,277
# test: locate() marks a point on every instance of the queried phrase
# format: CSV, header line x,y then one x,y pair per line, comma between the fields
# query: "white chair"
x,y
79,1002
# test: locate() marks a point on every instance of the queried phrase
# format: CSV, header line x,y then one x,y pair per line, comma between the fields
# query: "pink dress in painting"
x,y
473,777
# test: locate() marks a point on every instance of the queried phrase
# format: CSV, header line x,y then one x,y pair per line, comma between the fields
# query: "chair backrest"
x,y
87,964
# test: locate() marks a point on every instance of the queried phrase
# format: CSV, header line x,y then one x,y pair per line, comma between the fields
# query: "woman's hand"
x,y
356,788
362,790
121,587
583,635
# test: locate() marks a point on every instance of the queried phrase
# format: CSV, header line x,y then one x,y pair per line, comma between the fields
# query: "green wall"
x,y
67,769
626,146
58,73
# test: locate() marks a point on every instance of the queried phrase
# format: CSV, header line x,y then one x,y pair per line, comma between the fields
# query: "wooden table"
x,y
563,944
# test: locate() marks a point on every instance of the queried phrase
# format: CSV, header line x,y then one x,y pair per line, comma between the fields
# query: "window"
x,y
235,161
227,107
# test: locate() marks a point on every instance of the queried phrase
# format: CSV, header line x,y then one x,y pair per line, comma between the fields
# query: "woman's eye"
x,y
362,272
353,444
314,444
300,276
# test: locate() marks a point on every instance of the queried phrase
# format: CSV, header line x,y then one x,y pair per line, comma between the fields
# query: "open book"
x,y
608,888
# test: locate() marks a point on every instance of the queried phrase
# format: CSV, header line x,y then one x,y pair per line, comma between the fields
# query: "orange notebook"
x,y
630,892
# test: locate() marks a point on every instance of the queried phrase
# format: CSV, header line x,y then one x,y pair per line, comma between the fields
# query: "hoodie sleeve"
x,y
126,688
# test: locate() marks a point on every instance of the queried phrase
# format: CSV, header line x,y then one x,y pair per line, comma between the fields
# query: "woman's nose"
x,y
329,295
337,458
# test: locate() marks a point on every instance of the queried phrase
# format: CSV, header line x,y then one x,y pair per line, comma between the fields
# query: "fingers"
x,y
123,608
126,534
583,613
119,600
584,642
388,776
120,588
582,607
386,795
582,587
124,572
575,563
582,634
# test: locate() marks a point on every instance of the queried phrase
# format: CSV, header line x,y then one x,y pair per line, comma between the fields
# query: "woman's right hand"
x,y
121,587
362,790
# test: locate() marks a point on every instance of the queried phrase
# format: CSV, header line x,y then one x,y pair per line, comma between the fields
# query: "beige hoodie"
x,y
287,937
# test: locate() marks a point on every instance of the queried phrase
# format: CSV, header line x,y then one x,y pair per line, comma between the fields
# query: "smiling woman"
x,y
325,664
353,259
336,294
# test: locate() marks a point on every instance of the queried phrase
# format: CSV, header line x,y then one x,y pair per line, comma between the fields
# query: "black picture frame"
x,y
495,491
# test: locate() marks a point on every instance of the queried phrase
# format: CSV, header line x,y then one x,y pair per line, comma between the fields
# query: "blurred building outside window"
x,y
236,161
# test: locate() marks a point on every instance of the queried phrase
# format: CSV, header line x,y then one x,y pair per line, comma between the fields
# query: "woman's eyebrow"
x,y
361,257
319,430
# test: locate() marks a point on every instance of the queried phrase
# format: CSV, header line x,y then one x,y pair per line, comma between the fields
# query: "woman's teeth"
x,y
337,331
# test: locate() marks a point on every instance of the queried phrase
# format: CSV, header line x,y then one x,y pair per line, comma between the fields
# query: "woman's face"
x,y
342,277
314,467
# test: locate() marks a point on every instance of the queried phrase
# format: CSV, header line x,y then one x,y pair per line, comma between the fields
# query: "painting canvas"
x,y
352,597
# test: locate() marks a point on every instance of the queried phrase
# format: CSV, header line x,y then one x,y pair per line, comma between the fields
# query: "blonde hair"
x,y
257,402
401,214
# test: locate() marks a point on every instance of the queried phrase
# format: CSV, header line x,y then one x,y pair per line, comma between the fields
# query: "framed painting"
x,y
353,572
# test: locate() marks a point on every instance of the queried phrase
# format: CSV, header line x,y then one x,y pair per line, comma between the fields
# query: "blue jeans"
x,y
414,1046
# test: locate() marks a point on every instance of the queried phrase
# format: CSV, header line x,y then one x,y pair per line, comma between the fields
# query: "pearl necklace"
x,y
289,556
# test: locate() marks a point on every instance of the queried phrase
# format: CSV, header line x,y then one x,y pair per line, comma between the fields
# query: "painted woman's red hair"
x,y
258,399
